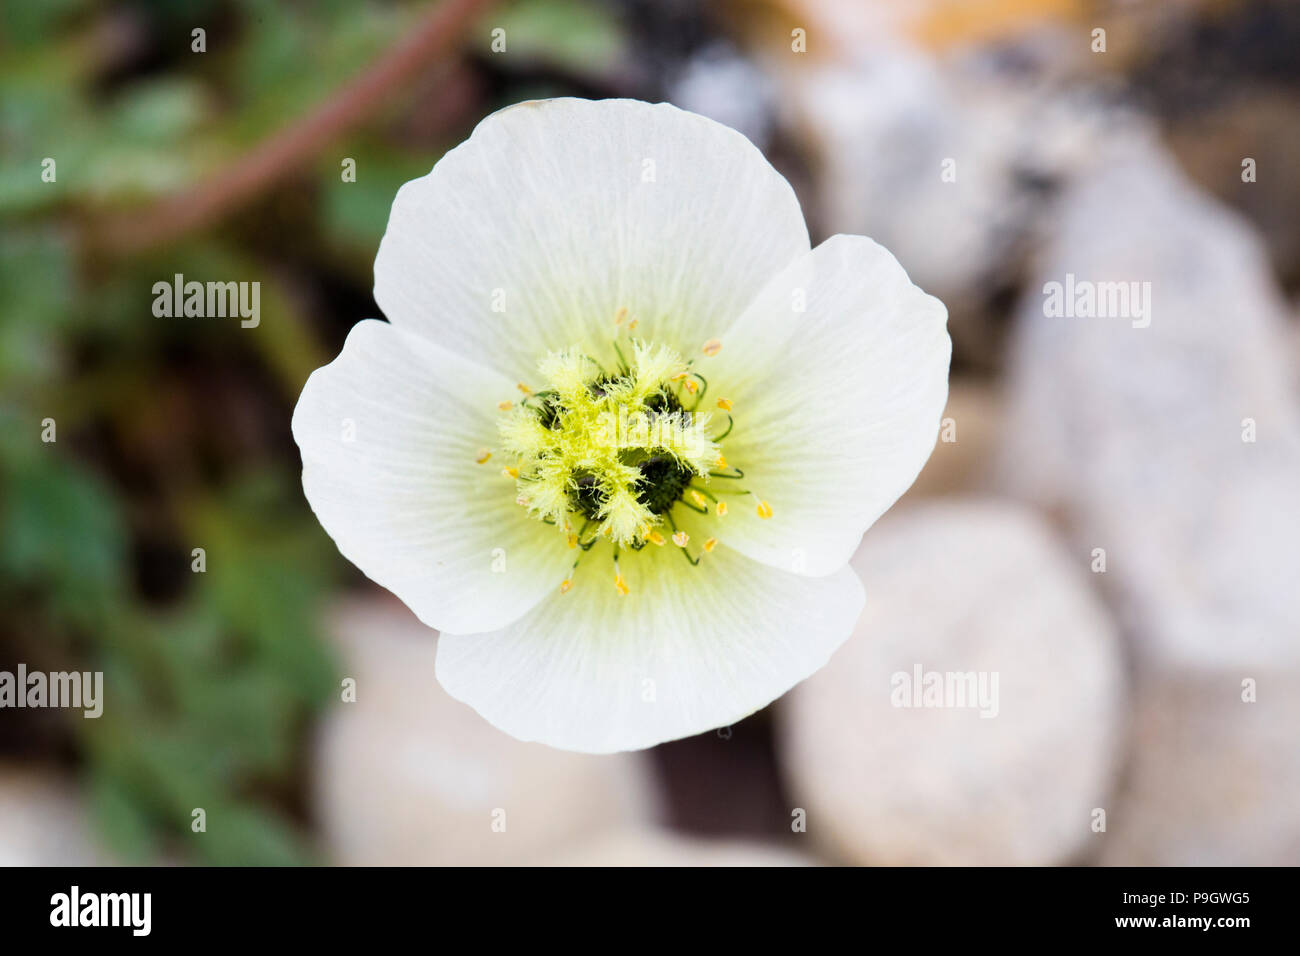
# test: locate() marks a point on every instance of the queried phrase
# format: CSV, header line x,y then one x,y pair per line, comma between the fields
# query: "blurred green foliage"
x,y
209,684
573,34
172,434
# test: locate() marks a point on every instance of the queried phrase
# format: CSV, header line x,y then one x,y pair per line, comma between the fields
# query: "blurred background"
x,y
1109,522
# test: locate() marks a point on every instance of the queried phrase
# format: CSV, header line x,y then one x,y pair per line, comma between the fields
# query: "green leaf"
x,y
60,530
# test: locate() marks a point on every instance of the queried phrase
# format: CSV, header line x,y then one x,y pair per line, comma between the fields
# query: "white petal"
x,y
559,213
837,406
403,497
689,649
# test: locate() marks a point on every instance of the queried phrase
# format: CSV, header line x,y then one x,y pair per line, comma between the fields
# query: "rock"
x,y
642,847
719,83
1213,779
1295,343
1211,146
43,822
880,130
1226,89
1135,433
1132,432
408,776
961,586
841,28
954,168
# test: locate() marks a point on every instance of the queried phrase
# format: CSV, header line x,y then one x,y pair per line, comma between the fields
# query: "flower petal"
x,y
556,214
389,433
838,373
687,650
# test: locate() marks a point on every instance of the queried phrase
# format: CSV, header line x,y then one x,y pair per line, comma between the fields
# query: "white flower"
x,y
522,453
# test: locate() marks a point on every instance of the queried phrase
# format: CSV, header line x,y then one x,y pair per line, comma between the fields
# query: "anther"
x,y
482,456
712,347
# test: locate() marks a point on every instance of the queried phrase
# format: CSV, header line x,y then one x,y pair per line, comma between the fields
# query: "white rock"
x,y
646,847
408,776
949,166
1133,434
1213,780
719,83
881,131
961,586
43,822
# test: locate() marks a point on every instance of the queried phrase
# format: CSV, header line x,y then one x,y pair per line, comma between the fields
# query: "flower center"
x,y
612,449
609,454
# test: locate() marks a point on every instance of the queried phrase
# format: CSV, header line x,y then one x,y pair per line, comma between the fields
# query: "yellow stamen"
x,y
572,539
482,456
722,508
571,438
710,544
565,586
656,538
699,499
721,462
712,347
680,538
692,386
764,510
724,404
620,583
620,316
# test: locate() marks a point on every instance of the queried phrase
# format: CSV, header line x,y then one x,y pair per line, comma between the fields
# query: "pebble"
x,y
406,775
1008,774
